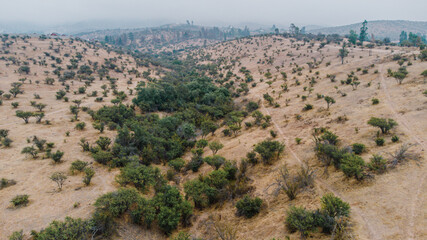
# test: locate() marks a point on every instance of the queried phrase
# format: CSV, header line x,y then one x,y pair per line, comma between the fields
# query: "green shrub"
x,y
141,176
68,229
395,139
380,141
248,206
269,150
18,235
56,157
375,101
102,157
89,173
80,126
78,166
20,200
358,148
378,164
334,206
215,161
353,166
301,220
177,164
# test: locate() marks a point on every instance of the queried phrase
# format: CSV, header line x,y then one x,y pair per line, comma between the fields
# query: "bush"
x,y
248,207
307,107
334,206
353,166
269,150
375,101
215,161
18,235
102,157
89,173
395,139
177,164
68,229
80,126
78,166
358,148
301,220
141,176
380,141
56,157
378,164
20,200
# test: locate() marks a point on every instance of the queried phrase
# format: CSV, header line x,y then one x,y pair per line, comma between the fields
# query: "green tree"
x,y
59,178
363,32
248,206
384,124
215,146
352,38
24,115
329,101
343,52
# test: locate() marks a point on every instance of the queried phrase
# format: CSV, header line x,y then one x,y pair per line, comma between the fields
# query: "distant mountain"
x,y
380,28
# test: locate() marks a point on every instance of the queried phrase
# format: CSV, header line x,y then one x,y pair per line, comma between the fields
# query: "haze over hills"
x,y
380,28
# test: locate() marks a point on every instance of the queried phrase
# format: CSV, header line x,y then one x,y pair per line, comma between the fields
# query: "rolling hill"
x,y
380,28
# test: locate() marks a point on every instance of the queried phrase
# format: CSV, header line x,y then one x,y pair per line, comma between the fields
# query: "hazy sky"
x,y
280,12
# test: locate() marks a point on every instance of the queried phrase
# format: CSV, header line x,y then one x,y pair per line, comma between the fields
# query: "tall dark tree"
x,y
363,32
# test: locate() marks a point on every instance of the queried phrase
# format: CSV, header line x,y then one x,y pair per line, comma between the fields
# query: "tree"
x,y
269,150
24,69
56,157
30,151
208,127
352,38
301,220
24,115
400,75
75,110
70,228
403,37
424,74
215,146
384,124
363,32
104,143
329,101
59,178
215,161
343,52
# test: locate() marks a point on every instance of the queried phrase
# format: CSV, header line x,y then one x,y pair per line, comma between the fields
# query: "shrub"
x,y
215,161
384,124
375,101
56,157
80,125
358,148
301,220
353,166
102,157
18,235
78,166
307,107
378,164
395,139
20,200
334,206
177,164
248,206
68,229
141,176
298,140
380,141
269,150
330,137
6,142
89,173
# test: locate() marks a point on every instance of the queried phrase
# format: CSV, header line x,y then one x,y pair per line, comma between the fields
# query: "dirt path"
x,y
356,210
420,139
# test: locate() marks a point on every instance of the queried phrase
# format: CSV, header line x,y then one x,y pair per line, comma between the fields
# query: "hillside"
x,y
380,28
212,141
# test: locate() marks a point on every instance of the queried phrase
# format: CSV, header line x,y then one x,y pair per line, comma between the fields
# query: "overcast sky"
x,y
214,12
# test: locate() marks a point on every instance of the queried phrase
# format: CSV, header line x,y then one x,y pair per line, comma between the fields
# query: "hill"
x,y
380,28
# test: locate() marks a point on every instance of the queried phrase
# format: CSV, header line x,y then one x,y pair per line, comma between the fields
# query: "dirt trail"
x,y
420,139
356,210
